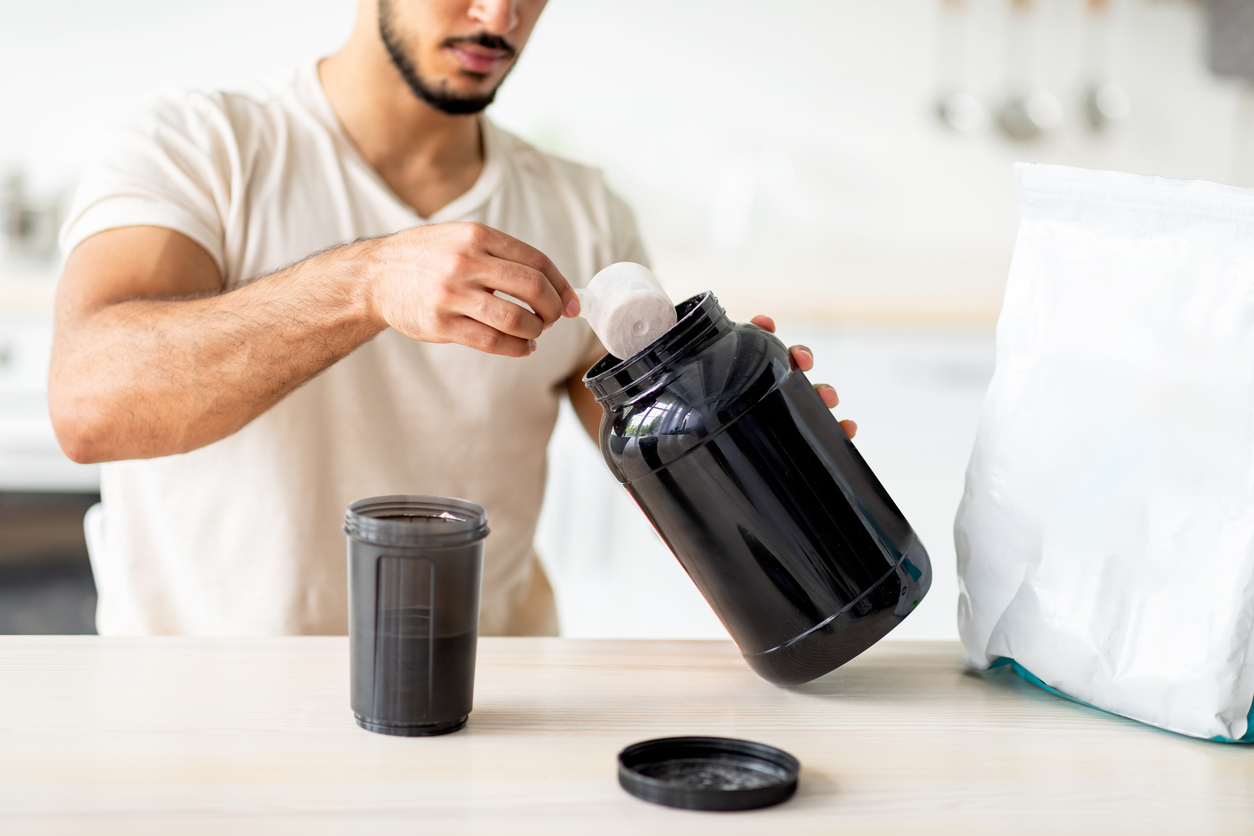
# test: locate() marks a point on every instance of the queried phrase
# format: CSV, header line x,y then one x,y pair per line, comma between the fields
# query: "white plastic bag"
x,y
1106,535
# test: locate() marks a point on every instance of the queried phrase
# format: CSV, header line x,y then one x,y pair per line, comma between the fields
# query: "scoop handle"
x,y
587,301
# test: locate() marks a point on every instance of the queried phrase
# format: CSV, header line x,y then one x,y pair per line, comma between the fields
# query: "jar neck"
x,y
700,321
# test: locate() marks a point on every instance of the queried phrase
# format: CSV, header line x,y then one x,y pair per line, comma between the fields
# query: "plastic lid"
x,y
410,520
708,773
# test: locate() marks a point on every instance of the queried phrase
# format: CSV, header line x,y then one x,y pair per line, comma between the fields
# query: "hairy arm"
x,y
151,358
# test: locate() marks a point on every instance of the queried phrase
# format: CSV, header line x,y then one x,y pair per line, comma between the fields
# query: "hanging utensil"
x,y
1230,25
956,106
1105,101
1028,111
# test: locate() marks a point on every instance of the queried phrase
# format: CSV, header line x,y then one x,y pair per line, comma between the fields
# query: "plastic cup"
x,y
414,570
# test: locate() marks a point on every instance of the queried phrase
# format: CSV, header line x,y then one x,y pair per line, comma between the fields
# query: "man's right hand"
x,y
151,358
437,284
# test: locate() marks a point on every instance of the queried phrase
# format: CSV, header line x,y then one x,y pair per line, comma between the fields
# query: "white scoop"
x,y
626,307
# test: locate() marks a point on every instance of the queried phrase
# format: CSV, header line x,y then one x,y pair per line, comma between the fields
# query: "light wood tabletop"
x,y
137,736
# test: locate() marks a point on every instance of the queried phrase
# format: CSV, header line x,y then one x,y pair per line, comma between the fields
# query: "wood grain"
x,y
136,736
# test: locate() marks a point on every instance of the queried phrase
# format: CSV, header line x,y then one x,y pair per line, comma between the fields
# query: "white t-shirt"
x,y
242,537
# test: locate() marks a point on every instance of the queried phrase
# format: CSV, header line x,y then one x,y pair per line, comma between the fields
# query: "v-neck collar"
x,y
459,207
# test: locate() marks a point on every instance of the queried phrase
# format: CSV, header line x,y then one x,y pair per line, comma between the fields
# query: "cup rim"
x,y
454,521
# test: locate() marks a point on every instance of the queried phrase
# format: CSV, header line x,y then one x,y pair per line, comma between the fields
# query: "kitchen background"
x,y
842,165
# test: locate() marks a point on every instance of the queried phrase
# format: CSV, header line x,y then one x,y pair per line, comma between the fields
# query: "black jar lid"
x,y
416,520
708,773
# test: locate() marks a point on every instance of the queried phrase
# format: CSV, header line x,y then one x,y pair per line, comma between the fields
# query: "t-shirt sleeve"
x,y
170,165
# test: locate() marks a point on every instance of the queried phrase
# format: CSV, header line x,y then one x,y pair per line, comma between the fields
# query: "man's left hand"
x,y
802,358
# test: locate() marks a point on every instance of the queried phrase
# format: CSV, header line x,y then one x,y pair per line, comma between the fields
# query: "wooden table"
x,y
177,736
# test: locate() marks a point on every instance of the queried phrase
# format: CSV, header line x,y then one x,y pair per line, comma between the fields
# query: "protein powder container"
x,y
756,489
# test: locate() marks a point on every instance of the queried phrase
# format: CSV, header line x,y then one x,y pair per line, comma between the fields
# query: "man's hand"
x,y
802,358
437,284
150,357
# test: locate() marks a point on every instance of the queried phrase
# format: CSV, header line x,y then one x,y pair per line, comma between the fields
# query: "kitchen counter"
x,y
135,736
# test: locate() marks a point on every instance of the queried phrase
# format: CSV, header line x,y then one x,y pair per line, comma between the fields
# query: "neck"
x,y
426,156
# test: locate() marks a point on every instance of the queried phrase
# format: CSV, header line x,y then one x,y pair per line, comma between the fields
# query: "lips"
x,y
478,59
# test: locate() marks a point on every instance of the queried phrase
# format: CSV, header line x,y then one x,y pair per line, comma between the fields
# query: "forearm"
x,y
150,359
150,377
586,406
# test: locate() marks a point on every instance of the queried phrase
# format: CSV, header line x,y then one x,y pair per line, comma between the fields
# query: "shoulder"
x,y
215,122
181,161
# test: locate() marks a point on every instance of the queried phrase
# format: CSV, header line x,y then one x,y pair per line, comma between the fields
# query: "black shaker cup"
x,y
414,570
754,486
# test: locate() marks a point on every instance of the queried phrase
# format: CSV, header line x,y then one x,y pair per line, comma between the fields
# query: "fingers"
x,y
438,283
830,400
526,285
508,248
474,334
801,358
506,317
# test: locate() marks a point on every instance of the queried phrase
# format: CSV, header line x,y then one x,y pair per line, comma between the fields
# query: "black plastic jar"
x,y
756,489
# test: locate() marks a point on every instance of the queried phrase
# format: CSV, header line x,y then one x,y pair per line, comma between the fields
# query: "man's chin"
x,y
456,90
454,103
465,81
457,93
467,85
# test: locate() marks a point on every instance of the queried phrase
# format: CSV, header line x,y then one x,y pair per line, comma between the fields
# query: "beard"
x,y
438,95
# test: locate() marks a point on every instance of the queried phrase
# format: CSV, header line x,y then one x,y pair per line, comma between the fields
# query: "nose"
x,y
497,17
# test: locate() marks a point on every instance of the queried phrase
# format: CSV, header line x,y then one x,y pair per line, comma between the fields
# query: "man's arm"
x,y
585,404
589,411
150,358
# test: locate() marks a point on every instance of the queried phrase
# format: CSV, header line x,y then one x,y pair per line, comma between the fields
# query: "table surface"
x,y
176,735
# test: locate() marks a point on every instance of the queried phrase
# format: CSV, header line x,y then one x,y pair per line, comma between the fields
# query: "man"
x,y
243,391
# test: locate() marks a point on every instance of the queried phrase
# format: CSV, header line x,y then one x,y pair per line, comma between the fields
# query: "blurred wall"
x,y
785,154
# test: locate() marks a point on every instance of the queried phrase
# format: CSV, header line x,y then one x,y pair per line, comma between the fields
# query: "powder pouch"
x,y
1105,538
